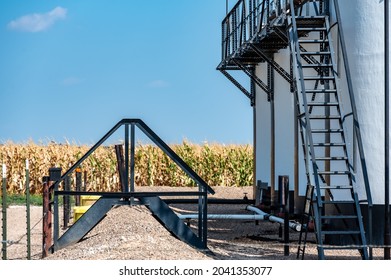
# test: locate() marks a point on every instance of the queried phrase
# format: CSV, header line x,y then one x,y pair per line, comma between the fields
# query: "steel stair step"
x,y
313,41
331,158
316,65
309,17
315,53
313,21
334,172
336,187
329,144
321,91
325,104
340,232
311,29
320,117
338,202
340,217
327,130
314,78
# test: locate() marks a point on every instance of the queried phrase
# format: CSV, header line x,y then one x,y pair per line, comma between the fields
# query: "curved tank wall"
x,y
363,24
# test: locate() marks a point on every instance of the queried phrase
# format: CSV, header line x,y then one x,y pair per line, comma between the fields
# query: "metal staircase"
x,y
328,167
128,196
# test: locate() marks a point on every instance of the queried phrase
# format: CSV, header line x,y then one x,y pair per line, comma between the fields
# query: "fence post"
x,y
85,181
67,204
47,218
54,177
78,185
4,212
28,210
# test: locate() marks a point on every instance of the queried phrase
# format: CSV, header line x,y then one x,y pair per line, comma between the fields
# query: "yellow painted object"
x,y
78,211
88,199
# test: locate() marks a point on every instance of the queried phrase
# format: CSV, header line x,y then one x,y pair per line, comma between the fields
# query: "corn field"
x,y
218,165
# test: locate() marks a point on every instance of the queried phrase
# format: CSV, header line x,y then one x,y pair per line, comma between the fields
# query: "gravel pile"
x,y
132,233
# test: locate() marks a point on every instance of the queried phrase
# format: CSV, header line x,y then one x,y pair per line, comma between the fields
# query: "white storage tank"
x,y
363,25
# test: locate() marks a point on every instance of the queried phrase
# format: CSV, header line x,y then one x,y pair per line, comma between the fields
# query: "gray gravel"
x,y
131,233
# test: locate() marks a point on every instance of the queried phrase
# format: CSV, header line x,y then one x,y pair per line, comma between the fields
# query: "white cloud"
x,y
159,84
71,81
38,22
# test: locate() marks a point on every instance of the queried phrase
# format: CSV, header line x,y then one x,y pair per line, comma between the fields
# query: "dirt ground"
x,y
131,233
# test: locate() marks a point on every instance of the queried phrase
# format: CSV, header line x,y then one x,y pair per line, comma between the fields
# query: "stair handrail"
x,y
253,15
356,124
203,187
154,138
308,140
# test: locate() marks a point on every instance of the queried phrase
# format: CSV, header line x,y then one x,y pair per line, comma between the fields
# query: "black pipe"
x,y
387,238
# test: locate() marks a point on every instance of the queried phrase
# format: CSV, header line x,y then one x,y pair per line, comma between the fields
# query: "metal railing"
x,y
128,192
321,7
356,124
245,21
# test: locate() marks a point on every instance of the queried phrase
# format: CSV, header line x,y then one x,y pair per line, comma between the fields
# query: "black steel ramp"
x,y
86,222
163,213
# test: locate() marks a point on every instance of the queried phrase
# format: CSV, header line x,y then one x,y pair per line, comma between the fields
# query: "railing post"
x,y
132,151
78,185
85,180
67,204
120,165
268,12
56,223
203,216
126,179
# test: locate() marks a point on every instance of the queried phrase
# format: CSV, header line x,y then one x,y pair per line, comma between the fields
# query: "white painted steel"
x,y
363,23
284,127
225,216
259,215
293,225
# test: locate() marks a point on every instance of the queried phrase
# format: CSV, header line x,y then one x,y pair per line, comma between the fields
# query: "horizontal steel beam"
x,y
130,194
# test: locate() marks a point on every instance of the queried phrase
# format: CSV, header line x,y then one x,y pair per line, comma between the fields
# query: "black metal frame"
x,y
356,124
249,23
251,34
296,50
246,21
128,195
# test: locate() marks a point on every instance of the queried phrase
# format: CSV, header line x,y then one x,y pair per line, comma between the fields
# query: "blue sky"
x,y
70,70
